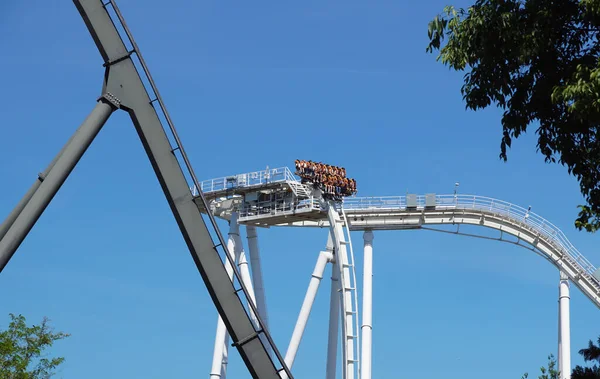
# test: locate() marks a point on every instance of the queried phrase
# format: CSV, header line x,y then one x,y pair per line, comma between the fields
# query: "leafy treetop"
x,y
538,61
22,350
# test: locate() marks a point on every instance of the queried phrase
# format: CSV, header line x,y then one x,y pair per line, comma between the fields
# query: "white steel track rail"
x,y
349,306
354,284
391,213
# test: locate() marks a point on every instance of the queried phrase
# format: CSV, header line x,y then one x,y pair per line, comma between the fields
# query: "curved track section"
x,y
385,213
539,235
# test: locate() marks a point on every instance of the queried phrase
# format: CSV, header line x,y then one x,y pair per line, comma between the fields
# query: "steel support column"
x,y
564,328
245,274
23,202
220,352
309,299
334,318
367,313
31,209
257,278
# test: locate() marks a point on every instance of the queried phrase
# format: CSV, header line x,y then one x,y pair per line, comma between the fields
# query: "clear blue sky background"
x,y
257,84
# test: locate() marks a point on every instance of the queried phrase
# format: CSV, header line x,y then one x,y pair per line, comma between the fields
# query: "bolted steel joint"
x,y
111,99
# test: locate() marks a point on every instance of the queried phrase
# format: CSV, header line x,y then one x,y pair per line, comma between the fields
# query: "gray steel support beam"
x,y
123,80
57,175
23,202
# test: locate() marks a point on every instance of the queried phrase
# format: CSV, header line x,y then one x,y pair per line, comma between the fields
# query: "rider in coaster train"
x,y
331,180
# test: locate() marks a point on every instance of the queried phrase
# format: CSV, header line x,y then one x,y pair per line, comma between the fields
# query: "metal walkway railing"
x,y
250,179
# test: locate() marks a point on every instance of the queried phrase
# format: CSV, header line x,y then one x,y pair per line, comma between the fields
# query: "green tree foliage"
x,y
590,354
549,372
538,61
22,350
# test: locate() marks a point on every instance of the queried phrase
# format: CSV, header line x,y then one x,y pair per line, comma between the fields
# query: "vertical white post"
x,y
225,357
309,299
367,312
219,363
257,278
334,315
559,357
245,274
334,319
564,340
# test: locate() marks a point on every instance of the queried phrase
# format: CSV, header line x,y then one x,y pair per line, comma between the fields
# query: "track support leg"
x,y
564,328
257,278
220,353
334,318
311,294
244,268
242,263
31,207
367,313
41,176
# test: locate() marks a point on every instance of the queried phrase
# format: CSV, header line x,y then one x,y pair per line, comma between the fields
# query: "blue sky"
x,y
254,85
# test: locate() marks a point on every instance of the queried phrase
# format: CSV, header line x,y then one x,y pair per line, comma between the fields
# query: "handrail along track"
x,y
474,202
544,237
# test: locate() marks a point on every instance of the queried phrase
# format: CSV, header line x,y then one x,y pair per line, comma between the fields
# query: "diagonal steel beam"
x,y
31,207
124,81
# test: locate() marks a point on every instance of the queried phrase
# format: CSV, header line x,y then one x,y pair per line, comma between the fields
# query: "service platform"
x,y
263,198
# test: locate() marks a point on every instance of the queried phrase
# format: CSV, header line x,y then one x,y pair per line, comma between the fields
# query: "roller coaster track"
x,y
538,234
442,213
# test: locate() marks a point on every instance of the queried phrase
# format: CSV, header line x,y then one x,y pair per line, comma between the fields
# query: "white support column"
x,y
245,274
564,329
334,319
225,357
367,312
559,357
257,278
309,299
219,363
